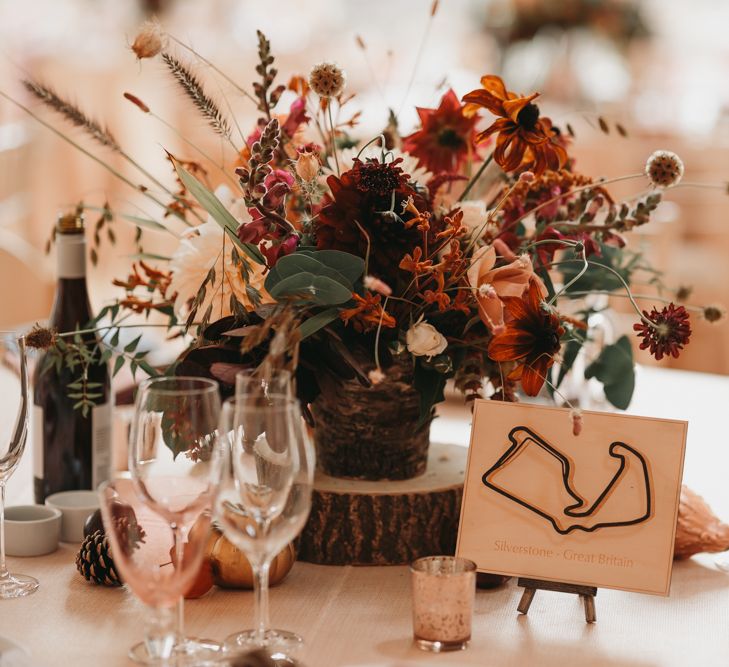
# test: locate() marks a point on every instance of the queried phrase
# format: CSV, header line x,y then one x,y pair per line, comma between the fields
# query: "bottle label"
x,y
37,435
101,443
71,255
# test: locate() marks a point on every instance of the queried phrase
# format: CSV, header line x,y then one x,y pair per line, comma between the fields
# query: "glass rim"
x,y
283,402
207,385
247,372
467,565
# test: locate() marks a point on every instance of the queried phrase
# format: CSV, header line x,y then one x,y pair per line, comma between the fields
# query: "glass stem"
x,y
160,635
4,574
179,556
260,590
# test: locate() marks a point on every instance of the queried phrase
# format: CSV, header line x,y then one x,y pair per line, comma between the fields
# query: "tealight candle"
x,y
444,588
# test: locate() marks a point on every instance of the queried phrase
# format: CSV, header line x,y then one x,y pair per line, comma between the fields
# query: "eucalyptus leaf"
x,y
614,368
596,277
320,290
430,385
290,265
350,266
298,263
570,351
316,322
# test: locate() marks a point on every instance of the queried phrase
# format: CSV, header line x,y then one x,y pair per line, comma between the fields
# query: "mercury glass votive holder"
x,y
444,589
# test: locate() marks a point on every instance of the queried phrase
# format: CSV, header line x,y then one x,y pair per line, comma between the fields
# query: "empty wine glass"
x,y
143,548
265,464
173,436
256,381
13,436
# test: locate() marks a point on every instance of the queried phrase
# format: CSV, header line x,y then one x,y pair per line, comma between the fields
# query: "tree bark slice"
x,y
355,522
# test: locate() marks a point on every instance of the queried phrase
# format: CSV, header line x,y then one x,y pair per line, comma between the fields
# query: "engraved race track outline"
x,y
575,510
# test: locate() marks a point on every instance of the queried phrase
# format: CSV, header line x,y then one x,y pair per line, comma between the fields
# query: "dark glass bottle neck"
x,y
71,306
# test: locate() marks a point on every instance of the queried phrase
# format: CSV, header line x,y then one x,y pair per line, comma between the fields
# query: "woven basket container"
x,y
372,433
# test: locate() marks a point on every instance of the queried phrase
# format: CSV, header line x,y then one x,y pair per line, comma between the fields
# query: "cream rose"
x,y
424,340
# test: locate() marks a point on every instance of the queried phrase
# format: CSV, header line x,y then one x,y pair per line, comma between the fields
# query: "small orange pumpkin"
x,y
231,568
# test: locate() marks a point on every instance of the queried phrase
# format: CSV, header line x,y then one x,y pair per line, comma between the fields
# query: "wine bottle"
x,y
71,450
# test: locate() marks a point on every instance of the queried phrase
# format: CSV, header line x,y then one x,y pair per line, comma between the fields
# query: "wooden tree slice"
x,y
361,522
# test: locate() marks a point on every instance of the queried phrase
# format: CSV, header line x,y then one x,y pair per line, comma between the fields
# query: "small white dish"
x,y
31,530
76,507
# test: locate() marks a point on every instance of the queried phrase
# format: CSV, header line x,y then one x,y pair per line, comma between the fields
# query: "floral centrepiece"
x,y
397,260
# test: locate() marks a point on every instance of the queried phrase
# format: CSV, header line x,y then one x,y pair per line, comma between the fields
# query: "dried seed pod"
x,y
698,528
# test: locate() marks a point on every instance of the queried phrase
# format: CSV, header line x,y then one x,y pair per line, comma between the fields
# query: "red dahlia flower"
x,y
446,137
365,213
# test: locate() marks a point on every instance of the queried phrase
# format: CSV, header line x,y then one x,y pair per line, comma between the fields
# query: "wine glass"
x,y
173,436
14,389
265,463
257,381
143,549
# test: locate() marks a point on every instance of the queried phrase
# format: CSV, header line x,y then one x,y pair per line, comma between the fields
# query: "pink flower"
x,y
278,184
297,116
491,284
376,285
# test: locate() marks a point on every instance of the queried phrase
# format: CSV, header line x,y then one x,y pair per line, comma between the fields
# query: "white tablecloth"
x,y
361,616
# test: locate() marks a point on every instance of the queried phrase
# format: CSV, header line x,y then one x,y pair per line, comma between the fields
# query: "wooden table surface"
x,y
361,616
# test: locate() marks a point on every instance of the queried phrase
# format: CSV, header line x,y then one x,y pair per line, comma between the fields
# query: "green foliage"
x,y
614,368
323,278
316,322
430,384
217,210
570,349
596,278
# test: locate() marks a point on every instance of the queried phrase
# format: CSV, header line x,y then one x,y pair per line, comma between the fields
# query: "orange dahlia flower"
x,y
523,135
531,339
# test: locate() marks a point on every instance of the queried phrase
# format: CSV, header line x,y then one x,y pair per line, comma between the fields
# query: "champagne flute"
x,y
14,388
173,436
142,543
265,463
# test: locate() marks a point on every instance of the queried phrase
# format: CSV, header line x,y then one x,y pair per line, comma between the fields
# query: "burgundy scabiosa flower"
x,y
667,332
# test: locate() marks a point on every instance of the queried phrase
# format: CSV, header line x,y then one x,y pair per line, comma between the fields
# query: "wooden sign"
x,y
598,509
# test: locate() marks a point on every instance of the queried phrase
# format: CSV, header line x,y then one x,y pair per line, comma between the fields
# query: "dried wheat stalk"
x,y
72,113
194,90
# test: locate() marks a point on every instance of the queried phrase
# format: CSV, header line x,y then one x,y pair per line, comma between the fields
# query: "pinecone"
x,y
94,561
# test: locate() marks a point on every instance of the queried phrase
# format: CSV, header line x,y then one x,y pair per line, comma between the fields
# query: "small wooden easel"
x,y
530,586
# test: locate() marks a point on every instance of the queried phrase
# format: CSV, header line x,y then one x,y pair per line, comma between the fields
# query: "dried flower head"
x,y
683,292
327,79
307,166
664,169
714,314
664,332
149,40
376,285
576,418
41,338
376,376
487,291
526,177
